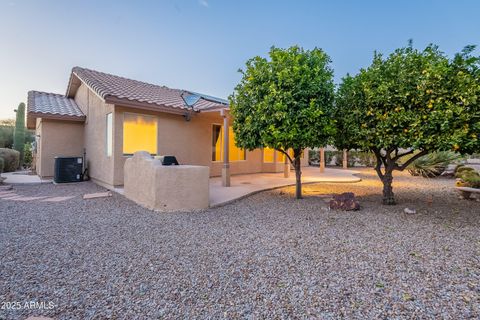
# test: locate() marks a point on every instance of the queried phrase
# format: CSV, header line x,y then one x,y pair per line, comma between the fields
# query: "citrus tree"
x,y
284,102
409,104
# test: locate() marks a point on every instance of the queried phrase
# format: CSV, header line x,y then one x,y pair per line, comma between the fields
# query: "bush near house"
x,y
11,159
7,127
27,158
6,133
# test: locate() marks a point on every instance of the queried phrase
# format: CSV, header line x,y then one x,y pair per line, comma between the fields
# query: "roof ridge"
x,y
49,93
114,88
122,77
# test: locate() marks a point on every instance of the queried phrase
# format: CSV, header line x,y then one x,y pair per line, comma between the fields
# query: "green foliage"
x,y
19,133
11,158
473,181
418,101
6,133
469,178
461,170
2,165
413,99
27,160
7,127
285,102
433,164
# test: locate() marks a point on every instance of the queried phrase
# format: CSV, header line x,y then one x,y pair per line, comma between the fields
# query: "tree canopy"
x,y
409,104
285,102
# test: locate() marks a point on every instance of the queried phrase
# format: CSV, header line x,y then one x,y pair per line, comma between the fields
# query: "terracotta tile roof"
x,y
111,87
52,103
52,106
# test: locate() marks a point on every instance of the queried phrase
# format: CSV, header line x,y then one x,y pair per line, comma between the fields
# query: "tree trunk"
x,y
298,176
388,196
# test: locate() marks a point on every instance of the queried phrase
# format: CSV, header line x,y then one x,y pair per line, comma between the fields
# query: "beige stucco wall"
x,y
165,188
57,139
189,141
100,166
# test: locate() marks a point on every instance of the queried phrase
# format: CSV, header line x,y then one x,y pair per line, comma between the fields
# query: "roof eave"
x,y
32,118
145,105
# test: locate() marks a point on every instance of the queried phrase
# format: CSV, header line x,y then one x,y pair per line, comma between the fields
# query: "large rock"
x,y
345,201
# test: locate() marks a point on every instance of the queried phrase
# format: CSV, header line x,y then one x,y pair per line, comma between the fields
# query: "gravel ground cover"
x,y
262,257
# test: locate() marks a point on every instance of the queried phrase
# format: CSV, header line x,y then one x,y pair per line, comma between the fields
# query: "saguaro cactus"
x,y
19,133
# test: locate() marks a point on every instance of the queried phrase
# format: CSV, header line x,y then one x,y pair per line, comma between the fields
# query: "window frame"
x,y
109,134
222,149
211,143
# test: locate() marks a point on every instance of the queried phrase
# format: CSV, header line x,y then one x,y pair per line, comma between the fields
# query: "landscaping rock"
x,y
345,201
262,257
409,211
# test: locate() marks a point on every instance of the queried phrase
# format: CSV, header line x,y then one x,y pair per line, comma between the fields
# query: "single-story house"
x,y
106,118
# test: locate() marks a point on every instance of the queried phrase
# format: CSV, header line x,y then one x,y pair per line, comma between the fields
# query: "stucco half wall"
x,y
165,188
56,139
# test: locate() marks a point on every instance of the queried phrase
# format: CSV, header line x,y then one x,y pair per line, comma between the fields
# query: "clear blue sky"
x,y
200,44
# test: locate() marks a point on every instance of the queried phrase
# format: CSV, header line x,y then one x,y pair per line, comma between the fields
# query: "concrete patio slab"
x,y
247,184
20,177
244,185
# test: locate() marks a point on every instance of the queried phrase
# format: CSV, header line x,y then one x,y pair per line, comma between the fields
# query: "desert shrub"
x,y
432,164
11,159
6,136
472,181
458,168
27,160
469,178
465,174
462,170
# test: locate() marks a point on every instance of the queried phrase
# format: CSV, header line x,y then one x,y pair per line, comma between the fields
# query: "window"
x,y
235,153
139,134
109,135
268,154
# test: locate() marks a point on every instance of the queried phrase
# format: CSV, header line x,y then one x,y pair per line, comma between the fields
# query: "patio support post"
x,y
226,156
345,162
322,159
